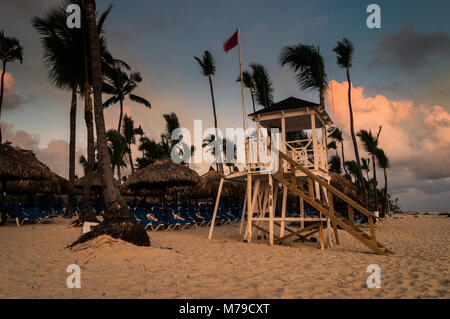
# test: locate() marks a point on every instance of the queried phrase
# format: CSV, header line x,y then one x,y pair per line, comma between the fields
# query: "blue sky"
x,y
160,38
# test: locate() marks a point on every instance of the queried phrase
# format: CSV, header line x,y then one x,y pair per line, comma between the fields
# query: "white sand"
x,y
33,262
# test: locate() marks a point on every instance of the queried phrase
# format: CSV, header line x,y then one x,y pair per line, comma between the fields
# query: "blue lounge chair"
x,y
147,219
17,212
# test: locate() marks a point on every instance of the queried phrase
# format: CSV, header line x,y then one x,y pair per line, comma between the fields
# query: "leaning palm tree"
x,y
308,63
116,207
383,162
208,68
129,133
365,165
10,51
263,85
370,143
344,51
248,82
120,84
332,146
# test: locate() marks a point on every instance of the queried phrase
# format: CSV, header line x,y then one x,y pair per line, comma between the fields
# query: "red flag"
x,y
231,42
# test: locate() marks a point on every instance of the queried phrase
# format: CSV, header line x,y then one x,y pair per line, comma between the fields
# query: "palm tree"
x,y
129,132
337,136
370,144
120,84
208,68
352,170
383,162
308,63
247,79
263,85
172,123
366,166
10,51
118,148
116,208
65,69
332,146
344,51
335,164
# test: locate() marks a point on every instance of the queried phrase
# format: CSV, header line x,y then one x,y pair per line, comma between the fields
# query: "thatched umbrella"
x,y
161,178
17,164
57,185
209,187
347,187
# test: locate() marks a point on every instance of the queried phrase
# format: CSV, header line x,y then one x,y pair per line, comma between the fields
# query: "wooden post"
x,y
322,247
283,139
249,207
271,209
332,213
283,211
244,207
216,206
316,151
351,216
302,212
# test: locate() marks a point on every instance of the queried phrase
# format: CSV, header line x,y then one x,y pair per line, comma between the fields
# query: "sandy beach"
x,y
184,264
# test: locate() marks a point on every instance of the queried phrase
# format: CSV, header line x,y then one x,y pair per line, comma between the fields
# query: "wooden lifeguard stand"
x,y
303,172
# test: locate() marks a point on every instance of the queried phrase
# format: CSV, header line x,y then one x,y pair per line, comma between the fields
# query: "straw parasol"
x,y
56,185
17,164
209,186
162,177
346,186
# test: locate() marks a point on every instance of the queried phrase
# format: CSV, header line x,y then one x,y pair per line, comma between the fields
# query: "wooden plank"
x,y
332,212
216,206
292,234
351,216
321,236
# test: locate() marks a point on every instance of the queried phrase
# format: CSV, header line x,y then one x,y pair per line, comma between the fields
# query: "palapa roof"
x,y
162,175
346,186
19,164
56,185
209,186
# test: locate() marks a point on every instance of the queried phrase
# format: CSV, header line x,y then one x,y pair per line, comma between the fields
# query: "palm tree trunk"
x,y
72,142
131,159
87,213
119,174
352,131
253,100
120,116
219,166
375,182
116,208
1,97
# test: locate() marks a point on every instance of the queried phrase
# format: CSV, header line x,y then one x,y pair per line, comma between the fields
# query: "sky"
x,y
400,73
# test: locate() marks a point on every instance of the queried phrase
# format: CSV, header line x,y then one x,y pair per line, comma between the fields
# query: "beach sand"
x,y
184,264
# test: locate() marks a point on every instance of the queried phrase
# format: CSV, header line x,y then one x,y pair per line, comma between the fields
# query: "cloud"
x,y
409,49
416,138
55,155
11,99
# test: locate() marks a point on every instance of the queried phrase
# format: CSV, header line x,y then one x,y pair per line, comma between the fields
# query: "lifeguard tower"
x,y
302,173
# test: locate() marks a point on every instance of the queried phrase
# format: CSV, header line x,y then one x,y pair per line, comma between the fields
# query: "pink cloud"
x,y
11,98
416,138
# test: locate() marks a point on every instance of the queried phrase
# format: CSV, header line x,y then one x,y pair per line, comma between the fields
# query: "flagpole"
x,y
247,155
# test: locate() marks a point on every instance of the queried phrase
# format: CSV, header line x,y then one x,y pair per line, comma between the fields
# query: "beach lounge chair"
x,y
148,220
16,211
